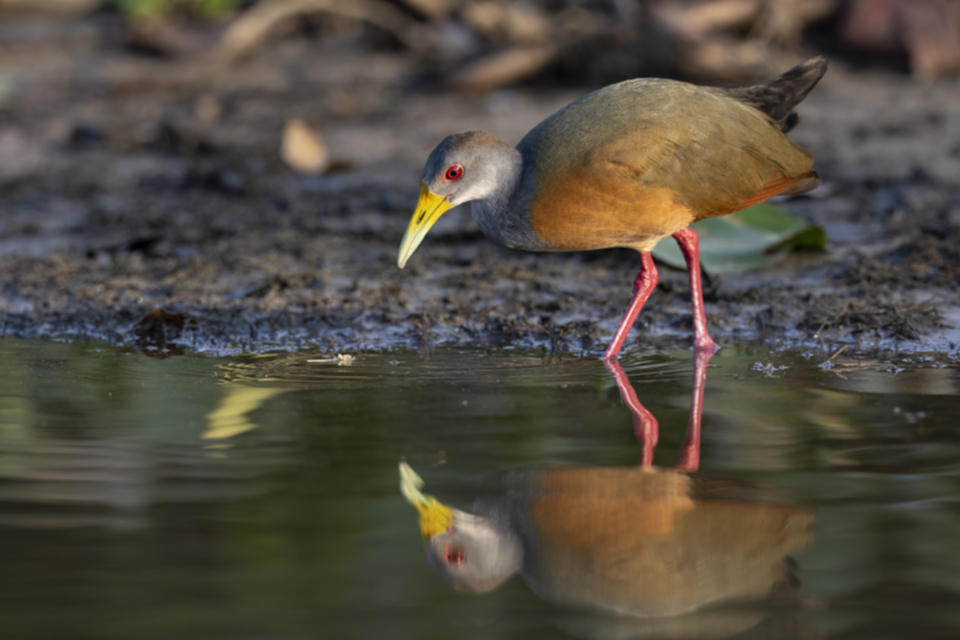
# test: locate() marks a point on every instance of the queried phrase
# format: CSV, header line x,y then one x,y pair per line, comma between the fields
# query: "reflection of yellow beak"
x,y
232,416
435,517
429,209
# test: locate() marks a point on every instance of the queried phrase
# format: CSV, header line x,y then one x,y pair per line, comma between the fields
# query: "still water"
x,y
257,496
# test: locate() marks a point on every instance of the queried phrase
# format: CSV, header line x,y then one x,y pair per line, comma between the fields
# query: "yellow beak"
x,y
435,517
429,209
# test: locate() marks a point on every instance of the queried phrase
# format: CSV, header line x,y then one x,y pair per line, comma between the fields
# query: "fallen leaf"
x,y
303,150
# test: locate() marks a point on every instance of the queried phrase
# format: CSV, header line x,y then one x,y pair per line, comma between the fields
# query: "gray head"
x,y
467,166
475,555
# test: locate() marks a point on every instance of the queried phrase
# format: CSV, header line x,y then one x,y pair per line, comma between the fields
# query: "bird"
x,y
626,166
644,541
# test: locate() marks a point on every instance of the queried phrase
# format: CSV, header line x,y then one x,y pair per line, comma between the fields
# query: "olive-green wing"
x,y
715,154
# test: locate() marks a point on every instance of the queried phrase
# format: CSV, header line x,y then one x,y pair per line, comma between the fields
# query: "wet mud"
x,y
146,204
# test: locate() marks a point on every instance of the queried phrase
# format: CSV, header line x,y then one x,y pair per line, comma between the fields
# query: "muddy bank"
x,y
127,186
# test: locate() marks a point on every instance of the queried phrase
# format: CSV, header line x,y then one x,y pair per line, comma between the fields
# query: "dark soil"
x,y
129,186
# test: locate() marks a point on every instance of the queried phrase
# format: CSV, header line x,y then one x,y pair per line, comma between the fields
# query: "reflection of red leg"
x,y
690,247
645,426
642,288
690,449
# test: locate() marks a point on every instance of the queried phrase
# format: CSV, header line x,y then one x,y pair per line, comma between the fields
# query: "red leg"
x,y
690,449
690,247
642,288
645,426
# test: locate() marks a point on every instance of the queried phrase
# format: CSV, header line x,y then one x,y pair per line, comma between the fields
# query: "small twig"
x,y
839,351
341,360
816,336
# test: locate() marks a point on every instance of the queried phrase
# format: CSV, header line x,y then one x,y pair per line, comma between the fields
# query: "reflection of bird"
x,y
626,166
643,542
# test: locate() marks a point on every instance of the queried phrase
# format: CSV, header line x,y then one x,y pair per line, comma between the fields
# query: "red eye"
x,y
453,555
454,172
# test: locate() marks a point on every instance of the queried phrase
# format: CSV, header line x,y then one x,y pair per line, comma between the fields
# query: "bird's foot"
x,y
610,357
705,344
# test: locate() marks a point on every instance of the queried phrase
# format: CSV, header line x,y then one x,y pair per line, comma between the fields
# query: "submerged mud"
x,y
143,207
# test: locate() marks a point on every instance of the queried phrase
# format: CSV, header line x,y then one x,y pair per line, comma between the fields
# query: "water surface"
x,y
257,496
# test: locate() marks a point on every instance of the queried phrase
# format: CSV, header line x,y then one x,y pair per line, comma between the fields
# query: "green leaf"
x,y
756,237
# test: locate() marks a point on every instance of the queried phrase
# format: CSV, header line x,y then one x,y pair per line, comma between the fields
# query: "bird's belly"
x,y
584,211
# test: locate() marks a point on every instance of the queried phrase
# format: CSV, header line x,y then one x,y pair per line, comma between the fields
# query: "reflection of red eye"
x,y
454,172
453,555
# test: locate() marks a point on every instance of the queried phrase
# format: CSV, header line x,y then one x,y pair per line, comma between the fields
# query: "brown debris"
x,y
783,22
483,45
173,39
928,31
303,149
508,66
696,19
710,44
159,328
511,23
431,9
252,27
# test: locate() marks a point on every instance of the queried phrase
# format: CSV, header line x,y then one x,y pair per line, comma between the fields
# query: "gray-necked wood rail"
x,y
627,166
642,541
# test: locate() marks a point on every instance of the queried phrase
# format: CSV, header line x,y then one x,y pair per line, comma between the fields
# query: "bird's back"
x,y
633,162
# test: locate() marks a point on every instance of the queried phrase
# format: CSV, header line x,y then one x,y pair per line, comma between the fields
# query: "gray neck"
x,y
510,513
504,215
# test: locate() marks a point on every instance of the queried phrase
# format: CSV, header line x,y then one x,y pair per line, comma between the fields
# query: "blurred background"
x,y
483,45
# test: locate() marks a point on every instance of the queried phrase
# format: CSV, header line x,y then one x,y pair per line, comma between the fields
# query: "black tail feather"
x,y
778,97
